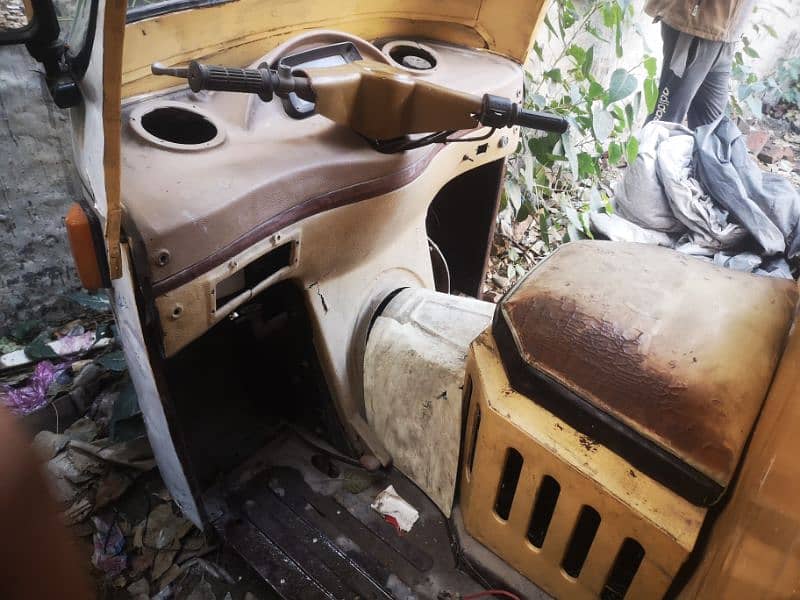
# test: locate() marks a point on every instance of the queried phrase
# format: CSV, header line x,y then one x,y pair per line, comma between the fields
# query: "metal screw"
x,y
502,142
162,257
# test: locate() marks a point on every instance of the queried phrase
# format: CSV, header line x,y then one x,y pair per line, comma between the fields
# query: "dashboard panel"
x,y
194,206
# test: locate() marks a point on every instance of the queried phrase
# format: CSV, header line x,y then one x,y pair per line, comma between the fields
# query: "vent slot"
x,y
543,509
254,273
508,484
624,570
473,439
581,541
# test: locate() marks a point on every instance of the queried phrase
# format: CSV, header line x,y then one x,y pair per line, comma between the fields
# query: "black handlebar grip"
x,y
229,79
542,121
502,112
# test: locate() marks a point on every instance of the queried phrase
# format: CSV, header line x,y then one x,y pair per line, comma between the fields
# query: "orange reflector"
x,y
83,252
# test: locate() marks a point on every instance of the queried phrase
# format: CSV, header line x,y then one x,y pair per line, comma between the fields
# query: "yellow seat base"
x,y
603,504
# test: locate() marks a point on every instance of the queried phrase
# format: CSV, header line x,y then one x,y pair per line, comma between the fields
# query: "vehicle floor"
x,y
301,517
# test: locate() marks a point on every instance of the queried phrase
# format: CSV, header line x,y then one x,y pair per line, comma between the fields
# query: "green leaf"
x,y
113,361
751,52
553,75
537,48
755,105
595,92
8,345
522,214
602,124
650,94
577,53
527,171
97,302
38,348
549,25
632,150
619,113
544,229
614,153
622,85
629,116
513,195
571,154
586,66
587,165
587,228
651,66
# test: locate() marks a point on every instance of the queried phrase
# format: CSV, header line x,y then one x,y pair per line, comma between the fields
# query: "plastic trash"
x,y
395,509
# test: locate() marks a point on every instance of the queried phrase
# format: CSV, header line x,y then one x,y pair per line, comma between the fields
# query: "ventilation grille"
x,y
575,532
630,554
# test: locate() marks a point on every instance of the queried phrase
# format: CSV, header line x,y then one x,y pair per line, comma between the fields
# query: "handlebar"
x,y
265,82
502,112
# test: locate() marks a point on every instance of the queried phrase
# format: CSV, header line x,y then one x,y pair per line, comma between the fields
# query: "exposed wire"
x,y
487,593
432,245
440,137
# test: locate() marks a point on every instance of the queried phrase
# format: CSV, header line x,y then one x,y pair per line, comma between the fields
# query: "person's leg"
x,y
711,99
687,62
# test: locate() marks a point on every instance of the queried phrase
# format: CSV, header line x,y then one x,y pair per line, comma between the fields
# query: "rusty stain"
x,y
590,341
588,443
609,369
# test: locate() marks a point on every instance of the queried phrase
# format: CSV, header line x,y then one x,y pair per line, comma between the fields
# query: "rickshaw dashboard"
x,y
204,174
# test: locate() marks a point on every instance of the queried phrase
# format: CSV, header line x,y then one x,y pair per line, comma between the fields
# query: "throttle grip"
x,y
231,79
263,81
497,111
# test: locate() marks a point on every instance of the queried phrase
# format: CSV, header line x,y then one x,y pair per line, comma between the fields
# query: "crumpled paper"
x,y
109,547
395,509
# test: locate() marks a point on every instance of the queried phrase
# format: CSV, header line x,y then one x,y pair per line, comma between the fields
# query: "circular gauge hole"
x,y
412,57
179,126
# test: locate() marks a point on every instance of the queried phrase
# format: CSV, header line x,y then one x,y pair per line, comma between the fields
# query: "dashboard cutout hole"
x,y
411,55
176,126
179,126
254,274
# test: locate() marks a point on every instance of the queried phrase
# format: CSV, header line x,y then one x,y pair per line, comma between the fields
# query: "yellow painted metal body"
x,y
241,31
630,504
754,547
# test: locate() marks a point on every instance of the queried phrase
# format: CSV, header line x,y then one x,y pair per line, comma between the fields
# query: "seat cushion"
x,y
664,358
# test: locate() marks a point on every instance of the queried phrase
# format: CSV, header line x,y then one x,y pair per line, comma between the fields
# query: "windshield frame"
x,y
156,9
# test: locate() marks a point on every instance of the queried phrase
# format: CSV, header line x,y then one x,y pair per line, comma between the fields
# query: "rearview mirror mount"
x,y
35,24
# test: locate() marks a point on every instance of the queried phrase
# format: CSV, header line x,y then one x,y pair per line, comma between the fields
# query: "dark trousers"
x,y
694,79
